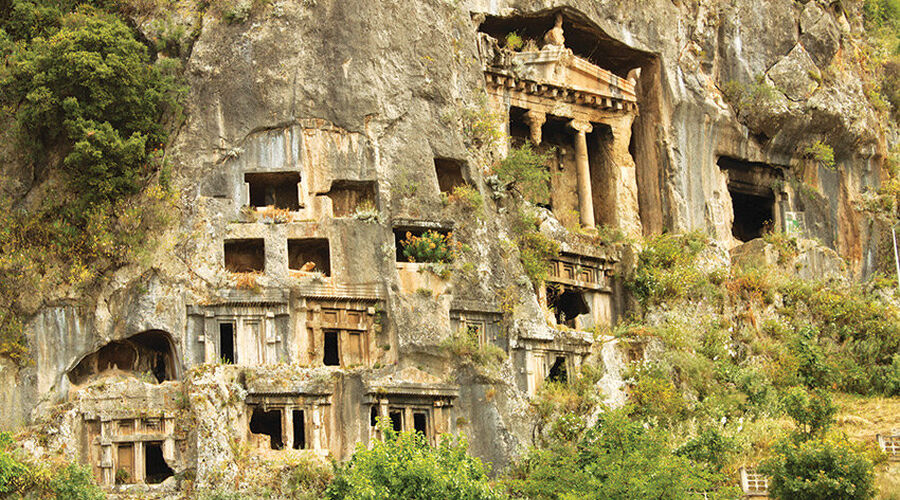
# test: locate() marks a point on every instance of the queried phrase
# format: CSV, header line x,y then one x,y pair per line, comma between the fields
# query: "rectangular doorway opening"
x,y
331,348
299,430
245,256
274,189
125,463
566,304
310,255
226,343
155,465
559,372
396,420
267,423
420,422
751,186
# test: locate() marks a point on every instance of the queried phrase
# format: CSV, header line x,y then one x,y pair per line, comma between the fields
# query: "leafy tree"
x,y
616,459
526,169
819,470
813,412
405,466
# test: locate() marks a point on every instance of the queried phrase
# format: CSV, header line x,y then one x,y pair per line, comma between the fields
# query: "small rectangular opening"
x,y
277,189
299,430
331,356
269,424
396,417
373,416
750,185
349,196
420,422
566,304
449,174
310,255
245,256
155,465
226,343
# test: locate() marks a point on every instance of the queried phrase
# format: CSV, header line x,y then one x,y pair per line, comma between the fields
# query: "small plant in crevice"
x,y
536,250
821,153
464,343
430,247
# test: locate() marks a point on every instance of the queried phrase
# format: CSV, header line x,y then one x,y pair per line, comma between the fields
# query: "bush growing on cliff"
x,y
403,465
617,458
525,169
666,270
21,479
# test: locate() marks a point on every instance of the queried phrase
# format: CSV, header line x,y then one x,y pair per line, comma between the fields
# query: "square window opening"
x,y
245,256
274,189
269,424
310,255
449,174
347,197
331,348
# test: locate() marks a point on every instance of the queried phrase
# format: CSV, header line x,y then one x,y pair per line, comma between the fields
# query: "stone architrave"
x,y
585,198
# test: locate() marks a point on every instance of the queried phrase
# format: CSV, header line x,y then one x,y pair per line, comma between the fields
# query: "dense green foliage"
x,y
665,268
20,478
618,458
431,246
819,469
89,109
535,249
403,465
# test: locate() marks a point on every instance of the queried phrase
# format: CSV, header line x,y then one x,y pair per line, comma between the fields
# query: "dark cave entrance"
x,y
226,343
277,189
269,424
299,430
331,347
157,470
567,304
558,371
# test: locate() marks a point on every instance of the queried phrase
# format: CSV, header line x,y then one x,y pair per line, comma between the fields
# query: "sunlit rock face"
x,y
281,312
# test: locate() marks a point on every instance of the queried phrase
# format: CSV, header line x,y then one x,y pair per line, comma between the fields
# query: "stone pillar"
x,y
627,215
287,426
535,120
585,198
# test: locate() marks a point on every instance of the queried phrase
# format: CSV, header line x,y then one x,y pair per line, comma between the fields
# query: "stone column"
x,y
627,214
585,198
535,120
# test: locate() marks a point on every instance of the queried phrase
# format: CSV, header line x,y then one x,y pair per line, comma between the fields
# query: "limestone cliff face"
x,y
357,99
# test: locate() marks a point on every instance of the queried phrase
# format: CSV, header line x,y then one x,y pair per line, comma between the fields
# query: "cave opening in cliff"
x,y
753,198
351,197
449,174
274,189
558,371
155,466
226,343
299,430
151,352
331,348
582,36
309,255
567,304
267,423
245,255
420,422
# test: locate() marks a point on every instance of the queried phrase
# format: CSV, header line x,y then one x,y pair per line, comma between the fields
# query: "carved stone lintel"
x,y
535,120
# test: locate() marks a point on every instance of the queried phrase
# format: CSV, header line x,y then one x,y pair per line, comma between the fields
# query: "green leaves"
x,y
405,466
819,469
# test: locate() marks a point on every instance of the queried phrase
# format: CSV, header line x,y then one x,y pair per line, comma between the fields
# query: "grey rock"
x,y
796,74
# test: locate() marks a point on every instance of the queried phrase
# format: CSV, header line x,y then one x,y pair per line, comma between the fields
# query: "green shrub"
x,y
813,413
821,153
666,270
468,197
817,469
431,247
14,475
465,343
75,482
513,41
711,446
615,459
403,465
525,170
536,251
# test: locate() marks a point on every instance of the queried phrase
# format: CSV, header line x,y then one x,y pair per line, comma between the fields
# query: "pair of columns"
x,y
535,120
